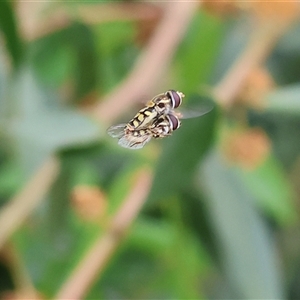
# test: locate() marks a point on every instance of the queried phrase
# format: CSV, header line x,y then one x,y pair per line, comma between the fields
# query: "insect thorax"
x,y
162,103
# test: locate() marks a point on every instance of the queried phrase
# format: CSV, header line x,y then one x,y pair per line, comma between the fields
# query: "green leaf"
x,y
122,185
4,87
191,261
113,36
162,261
9,28
10,179
151,236
69,53
117,51
197,52
246,248
43,126
56,66
49,258
57,129
83,42
271,190
289,42
181,154
284,100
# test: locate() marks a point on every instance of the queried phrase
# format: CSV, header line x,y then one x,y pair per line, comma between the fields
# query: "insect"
x,y
161,127
157,119
160,104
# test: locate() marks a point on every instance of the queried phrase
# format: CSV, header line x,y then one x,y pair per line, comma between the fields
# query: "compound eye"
x,y
174,121
176,98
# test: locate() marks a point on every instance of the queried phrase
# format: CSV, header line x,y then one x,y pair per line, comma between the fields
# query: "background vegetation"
x,y
211,212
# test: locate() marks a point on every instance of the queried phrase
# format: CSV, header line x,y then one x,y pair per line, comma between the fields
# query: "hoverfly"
x,y
160,104
161,127
157,120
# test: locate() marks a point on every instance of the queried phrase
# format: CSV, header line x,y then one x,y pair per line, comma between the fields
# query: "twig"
x,y
151,65
34,27
264,36
133,11
99,254
23,286
14,213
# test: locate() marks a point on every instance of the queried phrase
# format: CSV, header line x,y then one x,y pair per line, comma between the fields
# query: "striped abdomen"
x,y
143,118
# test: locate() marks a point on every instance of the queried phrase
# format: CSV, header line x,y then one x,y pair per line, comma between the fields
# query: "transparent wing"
x,y
134,142
128,140
116,131
193,112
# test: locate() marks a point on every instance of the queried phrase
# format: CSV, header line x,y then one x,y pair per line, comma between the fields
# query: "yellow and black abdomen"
x,y
143,118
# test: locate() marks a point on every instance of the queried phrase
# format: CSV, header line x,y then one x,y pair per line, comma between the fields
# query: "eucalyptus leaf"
x,y
57,129
272,191
117,51
235,35
50,257
67,54
40,126
246,246
151,236
198,52
181,154
290,42
4,87
284,100
8,26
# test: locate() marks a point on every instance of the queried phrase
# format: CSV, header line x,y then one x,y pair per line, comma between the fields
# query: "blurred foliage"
x,y
9,29
220,218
